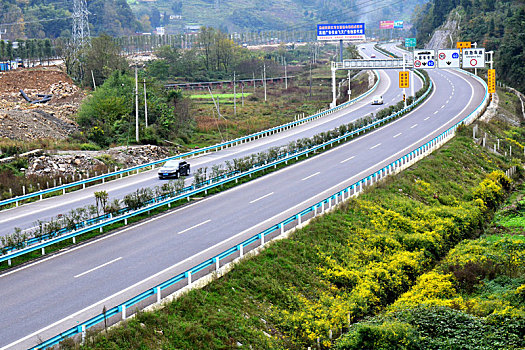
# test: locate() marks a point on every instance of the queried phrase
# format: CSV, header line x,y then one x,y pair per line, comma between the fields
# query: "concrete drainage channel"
x,y
208,270
39,195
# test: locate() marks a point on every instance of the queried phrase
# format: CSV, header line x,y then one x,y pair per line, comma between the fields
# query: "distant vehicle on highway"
x,y
173,169
378,100
373,56
363,48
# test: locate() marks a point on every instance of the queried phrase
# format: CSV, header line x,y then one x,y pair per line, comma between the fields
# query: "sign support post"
x,y
334,99
349,86
341,50
404,91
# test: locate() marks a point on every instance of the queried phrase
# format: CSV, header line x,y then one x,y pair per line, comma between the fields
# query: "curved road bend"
x,y
51,295
26,216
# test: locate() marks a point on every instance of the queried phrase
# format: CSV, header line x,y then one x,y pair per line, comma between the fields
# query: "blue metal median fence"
x,y
355,188
108,219
189,154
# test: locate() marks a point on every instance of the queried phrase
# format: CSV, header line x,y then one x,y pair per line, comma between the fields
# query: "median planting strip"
x,y
221,262
274,158
62,189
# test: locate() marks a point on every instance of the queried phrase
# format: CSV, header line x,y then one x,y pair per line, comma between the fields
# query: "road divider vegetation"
x,y
308,290
86,220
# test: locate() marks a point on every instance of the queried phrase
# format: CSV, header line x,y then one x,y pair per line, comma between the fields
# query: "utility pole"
x,y
264,75
136,105
145,104
234,96
310,77
285,76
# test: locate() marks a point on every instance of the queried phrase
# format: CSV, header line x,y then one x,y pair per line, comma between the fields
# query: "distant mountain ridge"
x,y
259,15
21,19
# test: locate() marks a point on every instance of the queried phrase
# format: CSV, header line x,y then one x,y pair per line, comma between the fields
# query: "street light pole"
x,y
136,105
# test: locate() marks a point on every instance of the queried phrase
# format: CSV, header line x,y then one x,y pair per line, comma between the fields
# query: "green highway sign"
x,y
410,42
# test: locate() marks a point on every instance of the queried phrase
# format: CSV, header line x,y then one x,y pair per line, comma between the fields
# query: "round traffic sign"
x,y
442,56
473,62
455,55
431,63
417,64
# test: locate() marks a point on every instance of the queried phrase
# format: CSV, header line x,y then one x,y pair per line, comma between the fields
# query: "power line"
x,y
35,21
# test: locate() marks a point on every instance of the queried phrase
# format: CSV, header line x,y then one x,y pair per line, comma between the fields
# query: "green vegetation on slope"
x,y
51,19
496,25
349,264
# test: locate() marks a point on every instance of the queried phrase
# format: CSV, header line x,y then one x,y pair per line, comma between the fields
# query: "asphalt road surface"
x,y
51,295
27,215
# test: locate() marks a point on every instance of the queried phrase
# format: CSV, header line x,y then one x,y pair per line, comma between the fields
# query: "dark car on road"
x,y
173,170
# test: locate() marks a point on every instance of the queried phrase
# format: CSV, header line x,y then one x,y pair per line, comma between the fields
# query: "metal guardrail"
x,y
154,295
204,150
38,243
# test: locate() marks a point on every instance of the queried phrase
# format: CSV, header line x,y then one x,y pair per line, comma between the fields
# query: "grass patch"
x,y
351,263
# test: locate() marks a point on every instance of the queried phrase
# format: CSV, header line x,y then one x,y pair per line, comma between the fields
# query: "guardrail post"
x,y
282,227
262,239
43,251
241,250
159,296
124,311
8,262
299,219
74,240
189,278
101,229
83,330
217,264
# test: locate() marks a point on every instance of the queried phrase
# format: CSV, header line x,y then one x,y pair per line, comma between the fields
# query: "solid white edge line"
x,y
194,226
96,268
309,176
249,229
239,149
258,199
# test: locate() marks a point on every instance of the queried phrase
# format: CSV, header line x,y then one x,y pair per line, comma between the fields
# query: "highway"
x,y
51,295
27,215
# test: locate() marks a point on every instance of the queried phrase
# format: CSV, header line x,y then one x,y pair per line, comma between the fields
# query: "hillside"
x,y
255,15
496,25
50,18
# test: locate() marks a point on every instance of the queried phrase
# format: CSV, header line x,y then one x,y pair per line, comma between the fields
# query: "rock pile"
x,y
74,163
62,89
64,165
137,155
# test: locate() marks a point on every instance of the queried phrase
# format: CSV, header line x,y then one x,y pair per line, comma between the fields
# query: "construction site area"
x,y
52,99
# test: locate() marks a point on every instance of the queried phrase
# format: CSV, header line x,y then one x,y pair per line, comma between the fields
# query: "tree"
x,y
102,58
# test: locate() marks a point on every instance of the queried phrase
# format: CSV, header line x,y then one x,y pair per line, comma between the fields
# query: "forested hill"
x,y
21,19
497,25
258,15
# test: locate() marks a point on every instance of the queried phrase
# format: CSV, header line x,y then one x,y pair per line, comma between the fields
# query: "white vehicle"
x,y
378,100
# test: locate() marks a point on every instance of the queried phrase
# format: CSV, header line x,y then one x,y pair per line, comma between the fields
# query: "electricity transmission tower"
x,y
80,25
